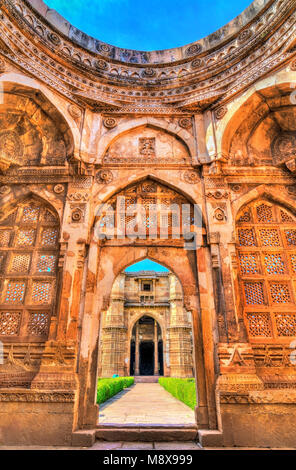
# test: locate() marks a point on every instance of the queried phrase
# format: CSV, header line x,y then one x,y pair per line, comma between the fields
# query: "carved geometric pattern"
x,y
254,293
45,263
15,292
159,205
293,262
290,237
249,263
4,237
247,237
10,323
274,288
41,292
49,237
274,263
30,214
269,237
285,324
286,217
264,213
25,239
259,324
280,293
245,217
38,323
20,263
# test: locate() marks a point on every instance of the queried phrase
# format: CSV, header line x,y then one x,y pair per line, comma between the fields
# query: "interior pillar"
x,y
137,352
156,367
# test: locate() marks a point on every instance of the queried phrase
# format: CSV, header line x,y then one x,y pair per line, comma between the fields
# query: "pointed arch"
x,y
173,129
263,191
12,197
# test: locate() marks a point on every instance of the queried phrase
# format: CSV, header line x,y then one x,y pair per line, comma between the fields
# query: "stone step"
x,y
149,433
140,379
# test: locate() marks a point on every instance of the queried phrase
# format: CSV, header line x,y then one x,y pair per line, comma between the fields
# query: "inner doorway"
x,y
147,358
146,352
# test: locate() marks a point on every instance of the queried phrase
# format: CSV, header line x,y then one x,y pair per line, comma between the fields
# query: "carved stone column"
x,y
137,352
180,339
114,333
156,366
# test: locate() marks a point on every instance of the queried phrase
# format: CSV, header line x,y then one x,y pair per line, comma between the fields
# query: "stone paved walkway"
x,y
146,404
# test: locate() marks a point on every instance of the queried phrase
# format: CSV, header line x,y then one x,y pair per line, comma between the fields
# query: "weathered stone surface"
x,y
211,124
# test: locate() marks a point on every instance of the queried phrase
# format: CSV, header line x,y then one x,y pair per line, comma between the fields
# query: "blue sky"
x,y
149,25
146,265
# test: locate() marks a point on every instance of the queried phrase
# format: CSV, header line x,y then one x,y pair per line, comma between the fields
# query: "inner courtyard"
x,y
146,330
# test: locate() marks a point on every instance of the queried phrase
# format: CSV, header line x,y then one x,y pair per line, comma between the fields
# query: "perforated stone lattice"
x,y
249,263
45,263
264,213
20,263
259,324
274,263
247,237
273,287
269,237
25,237
285,324
15,292
28,248
280,293
254,293
10,323
41,292
38,323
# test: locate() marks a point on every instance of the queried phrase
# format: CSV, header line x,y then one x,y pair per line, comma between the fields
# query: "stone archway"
x,y
106,260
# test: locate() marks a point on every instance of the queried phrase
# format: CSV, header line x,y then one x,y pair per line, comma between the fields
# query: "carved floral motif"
x,y
104,176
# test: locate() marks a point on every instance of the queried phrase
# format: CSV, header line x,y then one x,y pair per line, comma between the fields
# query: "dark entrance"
x,y
147,358
133,358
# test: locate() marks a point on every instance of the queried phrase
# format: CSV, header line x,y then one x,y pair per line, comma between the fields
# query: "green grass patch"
x,y
107,388
182,389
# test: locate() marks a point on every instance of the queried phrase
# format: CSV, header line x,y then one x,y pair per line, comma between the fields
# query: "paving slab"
x,y
147,404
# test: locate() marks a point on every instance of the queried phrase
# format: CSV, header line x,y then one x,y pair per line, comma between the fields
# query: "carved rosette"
x,y
193,49
104,48
54,38
196,63
245,35
77,214
293,65
4,190
220,112
185,123
101,64
190,177
59,188
74,111
110,123
104,177
148,73
219,215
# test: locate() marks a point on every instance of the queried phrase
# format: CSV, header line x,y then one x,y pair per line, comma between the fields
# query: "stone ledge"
x,y
209,438
83,438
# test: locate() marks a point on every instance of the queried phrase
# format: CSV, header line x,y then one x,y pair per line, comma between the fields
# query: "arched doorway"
x,y
146,356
